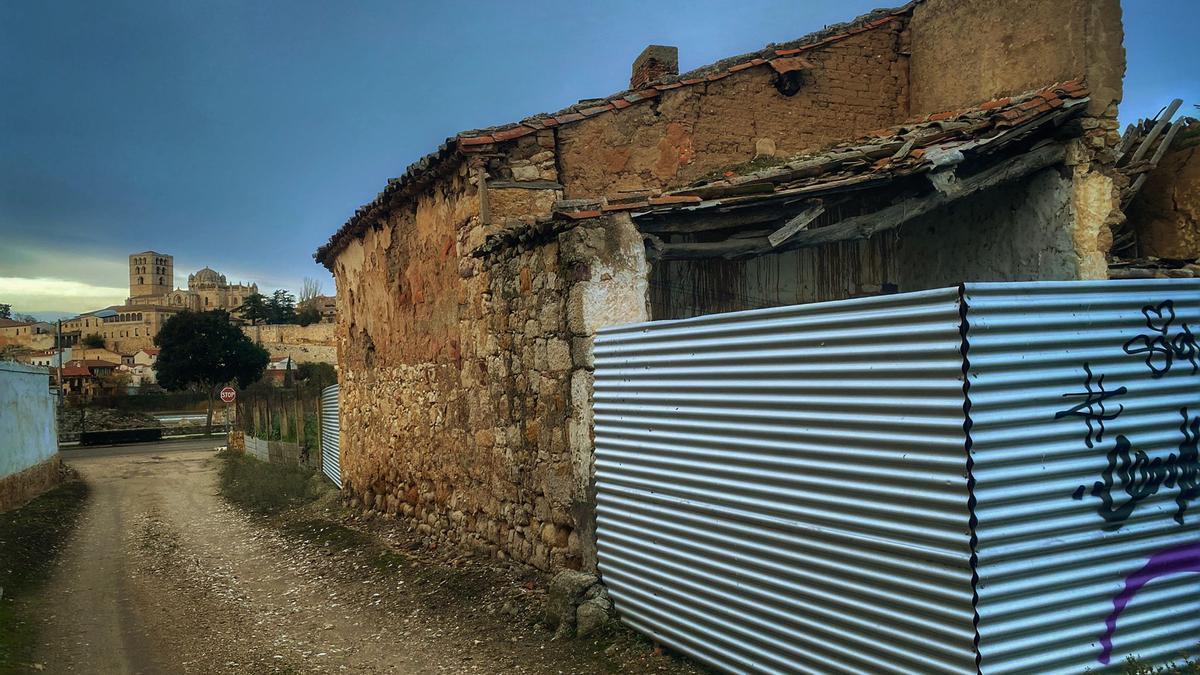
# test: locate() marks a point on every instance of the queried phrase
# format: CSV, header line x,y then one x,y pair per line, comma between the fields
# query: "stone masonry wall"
x,y
856,85
464,390
314,343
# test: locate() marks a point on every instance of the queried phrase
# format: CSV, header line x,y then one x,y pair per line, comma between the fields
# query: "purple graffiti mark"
x,y
1092,409
1175,560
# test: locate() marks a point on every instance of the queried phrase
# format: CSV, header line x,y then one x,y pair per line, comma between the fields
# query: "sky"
x,y
240,135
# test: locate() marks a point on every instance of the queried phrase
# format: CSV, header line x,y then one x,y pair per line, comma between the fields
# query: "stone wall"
x,y
21,487
465,394
304,344
857,84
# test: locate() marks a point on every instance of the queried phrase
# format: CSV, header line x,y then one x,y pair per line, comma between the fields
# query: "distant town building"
x,y
327,306
86,377
26,334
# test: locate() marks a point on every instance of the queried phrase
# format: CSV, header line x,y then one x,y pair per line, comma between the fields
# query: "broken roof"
x,y
419,173
919,146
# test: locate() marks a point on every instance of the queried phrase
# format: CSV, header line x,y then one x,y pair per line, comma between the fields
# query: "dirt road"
x,y
163,576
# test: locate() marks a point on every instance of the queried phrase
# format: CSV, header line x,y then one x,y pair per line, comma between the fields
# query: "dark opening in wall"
x,y
789,83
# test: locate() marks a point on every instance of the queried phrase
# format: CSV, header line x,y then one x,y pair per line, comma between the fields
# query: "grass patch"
x,y
262,488
30,538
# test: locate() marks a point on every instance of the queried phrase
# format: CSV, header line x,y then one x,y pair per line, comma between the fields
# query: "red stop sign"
x,y
228,394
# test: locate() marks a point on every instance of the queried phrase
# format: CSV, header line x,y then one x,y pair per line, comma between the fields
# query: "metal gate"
x,y
330,435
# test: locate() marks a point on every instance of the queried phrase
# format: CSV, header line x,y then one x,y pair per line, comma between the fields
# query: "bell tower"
x,y
150,274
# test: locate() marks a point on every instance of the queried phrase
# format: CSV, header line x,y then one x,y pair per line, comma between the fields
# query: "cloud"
x,y
30,294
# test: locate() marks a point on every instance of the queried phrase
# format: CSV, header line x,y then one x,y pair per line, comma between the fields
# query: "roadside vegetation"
x,y
1186,666
31,537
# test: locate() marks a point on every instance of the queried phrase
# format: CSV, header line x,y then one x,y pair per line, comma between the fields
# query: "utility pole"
x,y
58,343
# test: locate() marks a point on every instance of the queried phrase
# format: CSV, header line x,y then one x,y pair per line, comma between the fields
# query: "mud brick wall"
x,y
856,85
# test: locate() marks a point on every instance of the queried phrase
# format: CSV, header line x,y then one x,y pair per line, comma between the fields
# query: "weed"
x,y
1187,666
262,488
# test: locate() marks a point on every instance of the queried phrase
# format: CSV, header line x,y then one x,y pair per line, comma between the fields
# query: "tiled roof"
x,y
10,323
920,145
778,56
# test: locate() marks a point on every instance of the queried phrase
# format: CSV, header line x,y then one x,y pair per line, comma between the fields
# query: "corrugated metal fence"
x,y
783,490
1084,470
330,436
819,488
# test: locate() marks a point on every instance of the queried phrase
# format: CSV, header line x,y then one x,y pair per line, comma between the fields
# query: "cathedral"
x,y
151,277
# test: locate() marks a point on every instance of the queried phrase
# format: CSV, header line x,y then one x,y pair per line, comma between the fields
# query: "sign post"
x,y
228,395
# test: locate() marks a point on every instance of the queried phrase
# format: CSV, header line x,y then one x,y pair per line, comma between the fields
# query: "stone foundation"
x,y
20,488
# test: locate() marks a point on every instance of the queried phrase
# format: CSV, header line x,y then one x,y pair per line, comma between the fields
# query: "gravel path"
x,y
164,576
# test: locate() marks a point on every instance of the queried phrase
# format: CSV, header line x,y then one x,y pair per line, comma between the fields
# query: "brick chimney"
x,y
655,62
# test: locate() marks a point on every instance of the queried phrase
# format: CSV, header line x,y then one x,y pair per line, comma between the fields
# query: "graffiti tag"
x,y
1175,560
1092,409
1159,348
1141,476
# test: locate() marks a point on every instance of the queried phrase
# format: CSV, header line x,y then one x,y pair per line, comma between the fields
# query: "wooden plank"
x,y
1132,190
795,225
1155,131
864,226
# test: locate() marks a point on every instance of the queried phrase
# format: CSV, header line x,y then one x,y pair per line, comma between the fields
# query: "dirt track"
x,y
163,576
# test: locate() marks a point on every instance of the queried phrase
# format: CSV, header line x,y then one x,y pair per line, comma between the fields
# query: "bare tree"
x,y
310,290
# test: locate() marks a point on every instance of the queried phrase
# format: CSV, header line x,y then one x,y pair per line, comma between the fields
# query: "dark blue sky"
x,y
241,135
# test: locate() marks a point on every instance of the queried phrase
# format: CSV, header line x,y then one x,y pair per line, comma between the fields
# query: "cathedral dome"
x,y
208,276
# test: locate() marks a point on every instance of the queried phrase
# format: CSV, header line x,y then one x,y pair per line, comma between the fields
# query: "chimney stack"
x,y
654,63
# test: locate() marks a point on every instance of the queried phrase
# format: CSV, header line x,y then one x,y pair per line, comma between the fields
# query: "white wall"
x,y
28,433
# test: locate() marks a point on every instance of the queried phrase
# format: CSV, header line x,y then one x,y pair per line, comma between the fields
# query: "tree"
x,y
93,340
203,351
319,374
309,291
5,311
308,314
254,309
282,306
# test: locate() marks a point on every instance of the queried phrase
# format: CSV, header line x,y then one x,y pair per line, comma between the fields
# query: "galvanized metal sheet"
x,y
1084,400
785,490
330,435
258,448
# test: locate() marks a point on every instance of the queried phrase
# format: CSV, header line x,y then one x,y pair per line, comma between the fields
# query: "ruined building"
x,y
913,148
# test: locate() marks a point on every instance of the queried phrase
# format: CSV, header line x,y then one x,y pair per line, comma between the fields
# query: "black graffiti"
x,y
1141,477
1159,348
1092,409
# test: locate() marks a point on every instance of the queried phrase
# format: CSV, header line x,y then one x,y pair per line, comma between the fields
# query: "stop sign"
x,y
228,394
